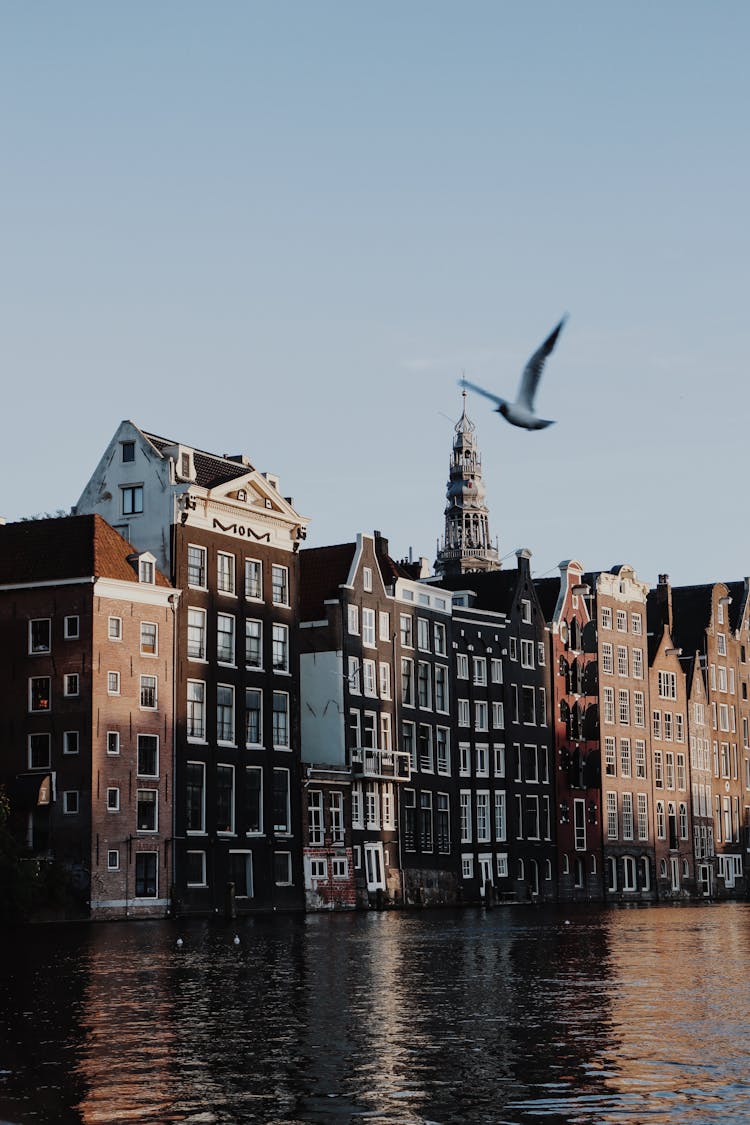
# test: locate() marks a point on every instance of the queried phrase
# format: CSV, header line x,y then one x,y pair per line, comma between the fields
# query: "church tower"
x,y
466,546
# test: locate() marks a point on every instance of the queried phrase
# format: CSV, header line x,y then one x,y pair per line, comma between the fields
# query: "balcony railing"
x,y
390,765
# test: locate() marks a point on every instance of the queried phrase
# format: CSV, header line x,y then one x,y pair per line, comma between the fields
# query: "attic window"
x,y
146,570
185,464
241,494
128,451
268,503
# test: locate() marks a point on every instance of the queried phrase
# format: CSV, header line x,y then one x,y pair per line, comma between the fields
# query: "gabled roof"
x,y
70,547
210,468
548,592
322,571
494,589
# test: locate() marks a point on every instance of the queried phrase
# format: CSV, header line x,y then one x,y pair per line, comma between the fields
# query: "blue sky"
x,y
286,229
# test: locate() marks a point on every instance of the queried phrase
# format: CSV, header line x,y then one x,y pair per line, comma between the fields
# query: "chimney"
x,y
381,544
664,600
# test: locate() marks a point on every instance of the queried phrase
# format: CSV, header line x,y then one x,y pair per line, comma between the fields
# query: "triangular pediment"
x,y
254,493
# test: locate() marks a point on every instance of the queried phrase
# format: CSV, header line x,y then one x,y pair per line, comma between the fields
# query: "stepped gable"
x,y
322,571
69,547
211,469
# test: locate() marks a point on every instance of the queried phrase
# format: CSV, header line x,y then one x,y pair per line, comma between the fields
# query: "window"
x,y
625,762
315,817
442,748
146,810
279,585
196,567
425,747
225,638
148,693
195,792
385,681
408,742
146,570
467,867
113,860
196,709
667,685
527,654
148,755
407,682
196,634
281,720
642,816
640,758
612,825
71,742
225,713
636,624
606,617
318,869
339,867
384,625
607,658
496,671
253,579
39,751
40,635
525,610
482,761
622,660
367,578
637,658
463,713
501,862
337,818
70,802
115,628
113,799
353,675
681,772
425,821
253,644
39,693
128,452
479,670
721,644
424,690
423,634
281,807
253,717
149,638
282,869
146,884
280,642
368,627
627,816
622,621
443,830
639,709
438,639
113,683
71,628
132,499
70,684
465,809
610,758
225,573
405,627
113,742
195,871
353,619
385,731
609,705
500,815
623,703
528,712
480,716
368,678
462,666
254,800
441,688
661,830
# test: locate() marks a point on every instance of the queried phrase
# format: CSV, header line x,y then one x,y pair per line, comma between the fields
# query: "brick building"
x,y
86,736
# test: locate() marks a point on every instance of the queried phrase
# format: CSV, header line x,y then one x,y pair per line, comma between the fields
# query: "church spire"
x,y
466,545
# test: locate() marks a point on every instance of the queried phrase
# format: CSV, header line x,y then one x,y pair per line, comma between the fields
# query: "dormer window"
x,y
185,464
146,571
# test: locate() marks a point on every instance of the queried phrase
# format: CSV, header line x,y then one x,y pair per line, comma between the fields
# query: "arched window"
x,y
661,828
662,869
683,822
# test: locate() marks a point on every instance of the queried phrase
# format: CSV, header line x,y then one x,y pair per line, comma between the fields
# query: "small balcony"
x,y
387,765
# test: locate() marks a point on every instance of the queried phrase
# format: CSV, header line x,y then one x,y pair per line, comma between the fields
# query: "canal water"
x,y
519,1014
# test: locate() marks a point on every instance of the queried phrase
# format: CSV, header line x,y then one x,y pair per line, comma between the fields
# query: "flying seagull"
x,y
521,412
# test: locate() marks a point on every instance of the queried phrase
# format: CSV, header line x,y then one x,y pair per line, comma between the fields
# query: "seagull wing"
x,y
482,391
532,372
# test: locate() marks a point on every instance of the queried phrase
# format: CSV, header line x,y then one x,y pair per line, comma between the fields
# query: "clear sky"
x,y
285,229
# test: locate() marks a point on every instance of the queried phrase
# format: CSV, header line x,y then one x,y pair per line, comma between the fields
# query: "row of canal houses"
x,y
202,715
